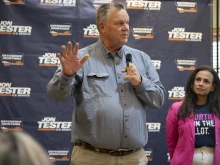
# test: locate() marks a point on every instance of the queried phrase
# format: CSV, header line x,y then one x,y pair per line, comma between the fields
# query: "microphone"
x,y
128,60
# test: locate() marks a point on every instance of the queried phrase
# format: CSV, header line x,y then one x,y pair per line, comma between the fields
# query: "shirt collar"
x,y
109,54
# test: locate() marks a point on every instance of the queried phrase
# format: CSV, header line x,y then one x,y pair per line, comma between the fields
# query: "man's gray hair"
x,y
103,10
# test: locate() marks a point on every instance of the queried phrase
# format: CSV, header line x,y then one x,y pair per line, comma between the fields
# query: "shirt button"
x,y
121,90
125,105
126,136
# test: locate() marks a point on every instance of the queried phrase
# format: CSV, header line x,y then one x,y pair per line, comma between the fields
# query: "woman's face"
x,y
203,83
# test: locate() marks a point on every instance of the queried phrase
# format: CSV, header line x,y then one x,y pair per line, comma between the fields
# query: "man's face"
x,y
115,31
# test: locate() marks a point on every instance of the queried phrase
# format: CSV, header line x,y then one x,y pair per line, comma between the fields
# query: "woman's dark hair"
x,y
190,97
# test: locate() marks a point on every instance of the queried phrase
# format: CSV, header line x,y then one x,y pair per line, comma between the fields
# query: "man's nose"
x,y
125,27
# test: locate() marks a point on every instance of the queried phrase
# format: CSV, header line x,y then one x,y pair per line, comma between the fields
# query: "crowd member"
x,y
21,149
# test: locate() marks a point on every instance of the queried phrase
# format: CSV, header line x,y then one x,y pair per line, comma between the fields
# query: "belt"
x,y
119,152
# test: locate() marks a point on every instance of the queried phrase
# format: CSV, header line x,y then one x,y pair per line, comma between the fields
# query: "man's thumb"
x,y
84,58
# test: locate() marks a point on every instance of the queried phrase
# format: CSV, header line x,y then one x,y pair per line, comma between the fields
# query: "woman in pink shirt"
x,y
193,125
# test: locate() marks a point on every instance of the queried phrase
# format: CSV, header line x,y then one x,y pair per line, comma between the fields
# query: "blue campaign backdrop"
x,y
177,35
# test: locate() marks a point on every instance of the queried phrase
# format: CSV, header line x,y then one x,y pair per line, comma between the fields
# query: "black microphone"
x,y
128,60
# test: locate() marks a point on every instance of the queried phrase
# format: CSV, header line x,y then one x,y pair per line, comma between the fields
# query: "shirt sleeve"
x,y
61,87
171,130
151,91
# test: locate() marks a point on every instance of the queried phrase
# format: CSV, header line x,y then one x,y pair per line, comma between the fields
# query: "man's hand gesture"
x,y
133,75
69,61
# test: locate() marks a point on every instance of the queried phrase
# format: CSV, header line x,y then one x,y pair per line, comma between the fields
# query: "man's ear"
x,y
101,26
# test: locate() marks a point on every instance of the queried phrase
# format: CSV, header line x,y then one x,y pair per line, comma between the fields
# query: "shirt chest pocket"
x,y
98,84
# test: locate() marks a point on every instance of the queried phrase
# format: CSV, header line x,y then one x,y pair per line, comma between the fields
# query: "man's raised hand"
x,y
69,61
